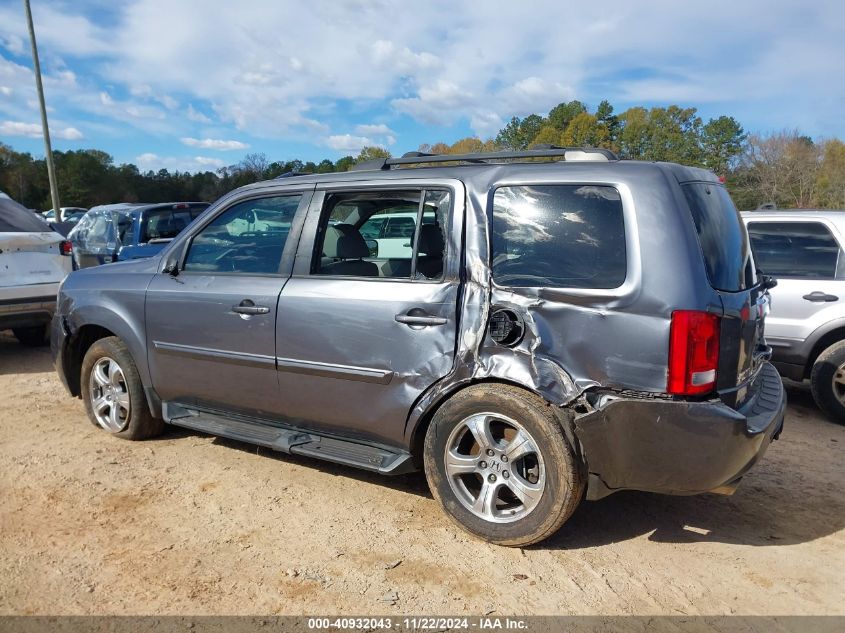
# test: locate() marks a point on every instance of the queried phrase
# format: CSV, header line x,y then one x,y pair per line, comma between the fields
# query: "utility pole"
x,y
51,170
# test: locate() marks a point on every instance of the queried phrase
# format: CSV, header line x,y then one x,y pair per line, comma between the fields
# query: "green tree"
x,y
562,114
371,153
830,182
518,134
721,143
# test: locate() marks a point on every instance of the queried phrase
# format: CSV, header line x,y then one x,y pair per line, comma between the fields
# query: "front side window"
x,y
567,236
375,234
805,250
247,238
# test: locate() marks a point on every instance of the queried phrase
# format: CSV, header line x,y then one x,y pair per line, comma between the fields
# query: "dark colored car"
x,y
544,331
115,232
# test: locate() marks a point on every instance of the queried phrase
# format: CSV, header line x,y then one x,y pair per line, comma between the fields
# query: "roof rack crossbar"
x,y
540,151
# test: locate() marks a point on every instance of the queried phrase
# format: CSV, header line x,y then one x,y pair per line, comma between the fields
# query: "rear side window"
x,y
794,249
568,236
722,236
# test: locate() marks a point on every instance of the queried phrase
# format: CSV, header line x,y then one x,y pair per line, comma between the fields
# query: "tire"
x,y
508,414
827,380
113,394
31,336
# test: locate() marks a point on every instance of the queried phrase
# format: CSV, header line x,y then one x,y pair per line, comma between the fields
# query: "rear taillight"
x,y
66,247
693,352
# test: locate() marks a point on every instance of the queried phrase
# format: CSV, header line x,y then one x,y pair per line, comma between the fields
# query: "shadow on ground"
x,y
18,359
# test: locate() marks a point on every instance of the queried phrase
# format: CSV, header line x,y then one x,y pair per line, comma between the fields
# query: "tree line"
x,y
785,168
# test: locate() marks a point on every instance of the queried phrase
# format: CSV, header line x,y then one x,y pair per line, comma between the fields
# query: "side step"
x,y
289,440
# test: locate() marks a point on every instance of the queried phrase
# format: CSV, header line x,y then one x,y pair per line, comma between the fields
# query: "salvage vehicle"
x,y
33,260
803,249
566,325
113,232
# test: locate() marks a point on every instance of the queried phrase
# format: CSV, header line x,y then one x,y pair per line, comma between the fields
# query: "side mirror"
x,y
373,246
171,267
769,282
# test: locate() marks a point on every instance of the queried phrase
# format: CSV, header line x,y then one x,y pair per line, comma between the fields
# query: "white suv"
x,y
33,262
803,250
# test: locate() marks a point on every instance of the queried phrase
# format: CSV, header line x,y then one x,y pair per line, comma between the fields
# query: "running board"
x,y
289,440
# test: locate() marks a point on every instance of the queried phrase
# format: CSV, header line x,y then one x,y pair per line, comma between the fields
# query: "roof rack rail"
x,y
539,151
291,174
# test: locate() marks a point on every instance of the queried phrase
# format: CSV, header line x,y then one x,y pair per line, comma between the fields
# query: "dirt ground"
x,y
190,524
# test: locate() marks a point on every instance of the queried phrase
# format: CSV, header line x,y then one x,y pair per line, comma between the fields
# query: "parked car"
x,y
33,261
803,249
561,329
69,214
114,232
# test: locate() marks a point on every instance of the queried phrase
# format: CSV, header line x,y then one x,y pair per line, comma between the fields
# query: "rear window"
x,y
17,219
167,223
724,242
569,236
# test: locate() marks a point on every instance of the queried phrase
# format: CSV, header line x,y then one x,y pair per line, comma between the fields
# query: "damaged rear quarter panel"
x,y
576,339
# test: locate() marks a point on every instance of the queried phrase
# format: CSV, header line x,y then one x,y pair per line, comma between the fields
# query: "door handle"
x,y
820,297
419,317
248,307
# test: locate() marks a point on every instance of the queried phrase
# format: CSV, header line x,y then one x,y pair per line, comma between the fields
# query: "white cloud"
x,y
106,100
13,44
33,130
154,162
379,129
196,115
212,143
274,77
348,142
6,91
168,102
209,162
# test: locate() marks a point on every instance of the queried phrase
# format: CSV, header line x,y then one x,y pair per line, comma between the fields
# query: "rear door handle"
x,y
419,317
820,297
247,306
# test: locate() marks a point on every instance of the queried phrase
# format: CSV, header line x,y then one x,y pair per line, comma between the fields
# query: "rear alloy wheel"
x,y
498,461
31,336
113,392
827,381
494,467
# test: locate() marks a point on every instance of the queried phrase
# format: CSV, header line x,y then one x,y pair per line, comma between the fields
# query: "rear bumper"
x,y
679,447
27,311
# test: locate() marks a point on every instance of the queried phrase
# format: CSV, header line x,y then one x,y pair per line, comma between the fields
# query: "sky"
x,y
196,85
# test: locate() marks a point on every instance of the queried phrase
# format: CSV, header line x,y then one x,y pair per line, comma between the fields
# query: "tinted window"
x,y
569,236
374,234
722,236
794,249
247,238
165,224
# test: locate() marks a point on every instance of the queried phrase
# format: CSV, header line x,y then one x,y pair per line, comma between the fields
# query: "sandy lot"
x,y
190,524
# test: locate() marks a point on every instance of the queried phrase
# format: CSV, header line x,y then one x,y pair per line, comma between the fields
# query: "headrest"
x,y
431,240
343,241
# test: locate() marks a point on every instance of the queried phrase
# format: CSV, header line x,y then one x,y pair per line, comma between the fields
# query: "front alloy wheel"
x,y
113,393
110,401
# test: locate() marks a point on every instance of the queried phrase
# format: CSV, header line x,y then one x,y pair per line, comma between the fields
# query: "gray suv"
x,y
557,324
803,248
